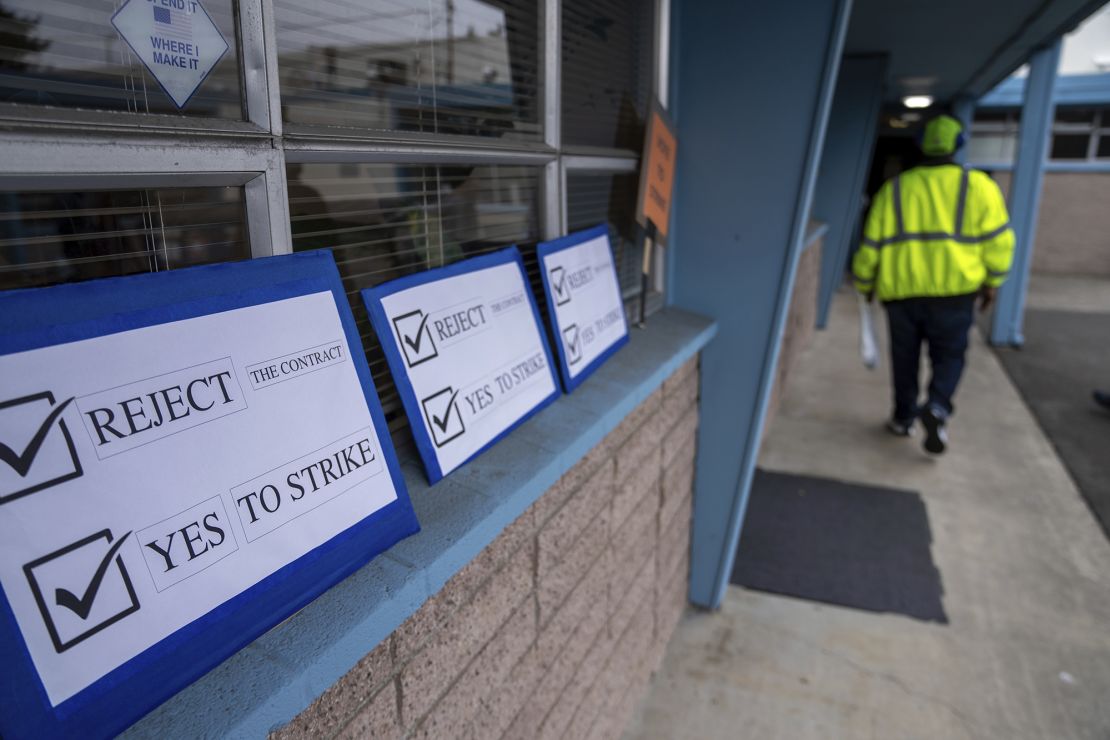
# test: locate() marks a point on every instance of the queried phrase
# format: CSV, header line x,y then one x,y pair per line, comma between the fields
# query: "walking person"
x,y
936,238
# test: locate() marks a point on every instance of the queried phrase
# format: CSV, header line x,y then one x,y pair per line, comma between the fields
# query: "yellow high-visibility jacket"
x,y
934,230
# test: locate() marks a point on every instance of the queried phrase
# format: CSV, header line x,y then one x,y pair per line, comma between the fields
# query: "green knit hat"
x,y
941,136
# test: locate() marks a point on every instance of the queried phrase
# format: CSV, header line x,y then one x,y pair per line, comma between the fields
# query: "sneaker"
x,y
1102,398
936,436
900,428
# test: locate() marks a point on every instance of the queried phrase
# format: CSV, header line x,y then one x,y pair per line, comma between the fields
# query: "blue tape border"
x,y
30,319
372,297
543,249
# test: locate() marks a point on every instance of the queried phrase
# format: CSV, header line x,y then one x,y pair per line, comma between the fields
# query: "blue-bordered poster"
x,y
583,301
186,458
468,353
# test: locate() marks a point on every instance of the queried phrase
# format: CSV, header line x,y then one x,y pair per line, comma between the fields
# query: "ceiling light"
x,y
917,101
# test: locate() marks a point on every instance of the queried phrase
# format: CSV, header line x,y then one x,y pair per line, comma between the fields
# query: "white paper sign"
x,y
584,300
184,463
467,352
175,39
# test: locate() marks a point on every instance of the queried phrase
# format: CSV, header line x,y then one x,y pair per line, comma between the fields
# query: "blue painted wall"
x,y
849,144
755,80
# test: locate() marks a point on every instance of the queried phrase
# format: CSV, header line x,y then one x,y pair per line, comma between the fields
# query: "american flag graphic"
x,y
174,23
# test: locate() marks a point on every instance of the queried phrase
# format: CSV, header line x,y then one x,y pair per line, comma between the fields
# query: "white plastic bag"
x,y
868,347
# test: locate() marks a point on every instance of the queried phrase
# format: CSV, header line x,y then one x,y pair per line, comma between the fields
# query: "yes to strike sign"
x,y
185,459
584,301
468,354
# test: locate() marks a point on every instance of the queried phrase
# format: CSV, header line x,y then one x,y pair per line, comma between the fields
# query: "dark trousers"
x,y
942,323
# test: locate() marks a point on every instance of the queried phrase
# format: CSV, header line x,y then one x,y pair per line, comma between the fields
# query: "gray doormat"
x,y
840,543
1066,355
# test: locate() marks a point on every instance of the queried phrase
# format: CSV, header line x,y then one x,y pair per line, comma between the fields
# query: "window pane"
x,y
60,237
1075,115
383,221
594,198
1070,146
984,115
607,67
67,54
461,67
1104,147
991,148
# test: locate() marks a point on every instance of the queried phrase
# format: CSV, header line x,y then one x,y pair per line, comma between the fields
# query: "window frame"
x,y
52,148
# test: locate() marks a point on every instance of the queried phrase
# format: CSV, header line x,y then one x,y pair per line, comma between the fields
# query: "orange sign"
x,y
657,174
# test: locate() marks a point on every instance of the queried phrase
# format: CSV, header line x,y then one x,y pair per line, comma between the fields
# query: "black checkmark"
x,y
446,414
419,336
573,345
559,285
82,606
21,463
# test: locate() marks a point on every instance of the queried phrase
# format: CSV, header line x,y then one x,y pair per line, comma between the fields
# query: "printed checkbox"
x,y
441,409
36,449
415,337
572,340
82,588
557,277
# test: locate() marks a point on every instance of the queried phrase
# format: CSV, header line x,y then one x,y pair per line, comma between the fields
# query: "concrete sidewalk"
x,y
1025,569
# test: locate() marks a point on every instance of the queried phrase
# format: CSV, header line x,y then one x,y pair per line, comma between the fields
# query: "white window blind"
x,y
607,72
610,198
454,67
49,237
66,54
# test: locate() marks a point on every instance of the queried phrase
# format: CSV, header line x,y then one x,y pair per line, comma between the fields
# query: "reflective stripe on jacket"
x,y
935,230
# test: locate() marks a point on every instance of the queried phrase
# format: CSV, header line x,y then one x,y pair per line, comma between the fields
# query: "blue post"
x,y
756,82
845,161
963,108
1025,193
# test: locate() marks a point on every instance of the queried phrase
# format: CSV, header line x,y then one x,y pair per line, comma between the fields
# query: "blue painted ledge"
x,y
267,683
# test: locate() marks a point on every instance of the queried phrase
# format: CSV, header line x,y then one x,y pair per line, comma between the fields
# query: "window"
x,y
454,67
994,136
66,54
50,237
607,72
1070,146
1069,115
400,134
1078,132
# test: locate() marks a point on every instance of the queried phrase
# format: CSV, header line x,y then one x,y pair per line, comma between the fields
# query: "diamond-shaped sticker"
x,y
175,39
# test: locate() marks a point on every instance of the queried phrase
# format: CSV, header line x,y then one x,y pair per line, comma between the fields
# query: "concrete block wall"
x,y
556,627
1073,226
